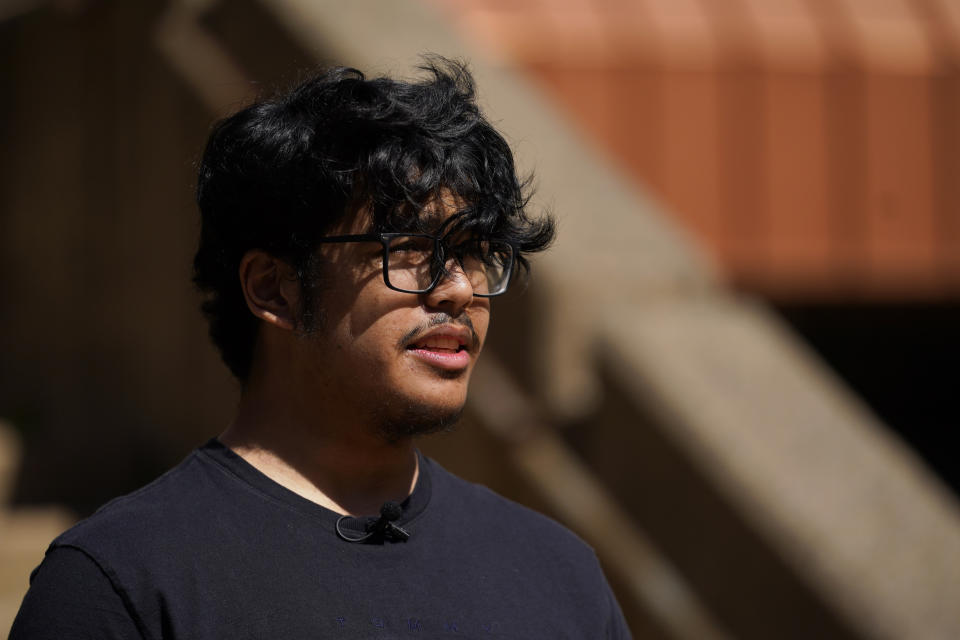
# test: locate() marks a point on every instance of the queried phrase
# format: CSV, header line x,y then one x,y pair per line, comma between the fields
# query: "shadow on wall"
x,y
107,373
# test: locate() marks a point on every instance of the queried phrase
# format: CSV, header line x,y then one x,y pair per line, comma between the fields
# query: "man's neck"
x,y
347,468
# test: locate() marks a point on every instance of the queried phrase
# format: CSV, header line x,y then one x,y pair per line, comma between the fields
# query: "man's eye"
x,y
471,249
407,245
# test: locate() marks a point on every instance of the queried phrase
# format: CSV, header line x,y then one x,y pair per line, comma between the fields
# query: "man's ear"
x,y
270,287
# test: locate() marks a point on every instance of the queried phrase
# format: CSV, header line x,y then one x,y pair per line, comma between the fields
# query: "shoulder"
x,y
144,516
70,597
93,578
513,525
523,552
478,501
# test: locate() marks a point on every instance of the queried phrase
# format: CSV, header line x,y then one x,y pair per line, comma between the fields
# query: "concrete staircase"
x,y
24,532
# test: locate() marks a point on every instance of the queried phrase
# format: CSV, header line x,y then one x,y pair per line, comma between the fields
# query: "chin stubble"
x,y
400,423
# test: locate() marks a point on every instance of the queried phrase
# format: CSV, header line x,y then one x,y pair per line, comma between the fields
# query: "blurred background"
x,y
734,376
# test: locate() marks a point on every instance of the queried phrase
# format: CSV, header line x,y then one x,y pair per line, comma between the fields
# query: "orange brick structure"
x,y
811,146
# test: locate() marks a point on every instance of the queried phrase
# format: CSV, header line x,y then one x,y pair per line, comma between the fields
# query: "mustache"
x,y
436,320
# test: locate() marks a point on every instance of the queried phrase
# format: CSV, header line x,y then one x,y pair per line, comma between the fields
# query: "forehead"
x,y
437,217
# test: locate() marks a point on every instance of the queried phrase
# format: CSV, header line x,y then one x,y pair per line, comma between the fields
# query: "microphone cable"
x,y
382,528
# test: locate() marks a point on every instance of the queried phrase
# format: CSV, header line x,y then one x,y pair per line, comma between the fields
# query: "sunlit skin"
x,y
320,411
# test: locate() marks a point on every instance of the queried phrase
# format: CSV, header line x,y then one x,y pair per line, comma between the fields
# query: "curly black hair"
x,y
278,174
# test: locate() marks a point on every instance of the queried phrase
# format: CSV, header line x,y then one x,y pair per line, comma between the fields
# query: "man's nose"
x,y
454,292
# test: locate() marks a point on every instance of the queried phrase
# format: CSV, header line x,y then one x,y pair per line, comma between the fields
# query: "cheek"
x,y
378,342
375,312
480,317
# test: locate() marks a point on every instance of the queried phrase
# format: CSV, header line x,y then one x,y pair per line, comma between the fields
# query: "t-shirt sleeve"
x,y
71,598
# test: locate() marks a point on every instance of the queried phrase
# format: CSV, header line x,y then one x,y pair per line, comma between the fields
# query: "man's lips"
x,y
447,347
439,343
442,337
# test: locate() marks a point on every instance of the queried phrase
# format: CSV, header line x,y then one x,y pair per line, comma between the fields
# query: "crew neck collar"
x,y
413,506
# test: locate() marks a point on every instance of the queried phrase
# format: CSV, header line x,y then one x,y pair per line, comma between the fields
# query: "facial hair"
x,y
396,423
396,418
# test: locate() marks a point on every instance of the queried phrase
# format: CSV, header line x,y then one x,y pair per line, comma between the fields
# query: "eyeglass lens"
x,y
412,265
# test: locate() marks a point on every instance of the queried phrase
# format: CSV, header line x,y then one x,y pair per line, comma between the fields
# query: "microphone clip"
x,y
381,528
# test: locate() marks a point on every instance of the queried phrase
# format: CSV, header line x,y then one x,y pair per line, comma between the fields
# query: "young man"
x,y
353,233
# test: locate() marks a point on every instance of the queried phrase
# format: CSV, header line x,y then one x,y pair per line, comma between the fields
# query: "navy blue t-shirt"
x,y
216,549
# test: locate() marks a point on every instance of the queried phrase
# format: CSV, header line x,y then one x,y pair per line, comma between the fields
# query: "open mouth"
x,y
439,344
444,352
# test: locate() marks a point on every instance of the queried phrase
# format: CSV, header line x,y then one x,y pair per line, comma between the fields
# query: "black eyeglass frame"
x,y
438,252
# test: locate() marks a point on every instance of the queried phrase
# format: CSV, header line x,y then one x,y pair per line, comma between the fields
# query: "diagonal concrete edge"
x,y
836,494
576,496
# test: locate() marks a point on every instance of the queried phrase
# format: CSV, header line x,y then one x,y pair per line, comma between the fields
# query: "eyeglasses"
x,y
417,262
